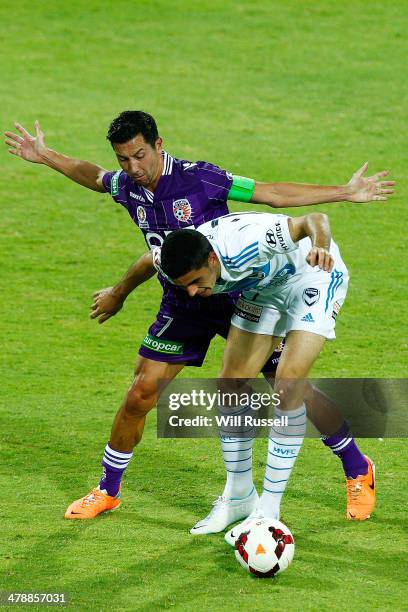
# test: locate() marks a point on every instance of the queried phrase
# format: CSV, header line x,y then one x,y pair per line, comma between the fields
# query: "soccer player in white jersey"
x,y
293,283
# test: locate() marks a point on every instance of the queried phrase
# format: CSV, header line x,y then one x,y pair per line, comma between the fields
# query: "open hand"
x,y
24,145
106,304
368,188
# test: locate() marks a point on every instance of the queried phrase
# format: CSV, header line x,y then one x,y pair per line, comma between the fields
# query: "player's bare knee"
x,y
232,372
291,370
141,397
232,389
291,392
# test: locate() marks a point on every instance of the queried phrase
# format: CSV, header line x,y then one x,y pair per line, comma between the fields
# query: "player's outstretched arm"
x,y
316,226
360,188
33,149
107,302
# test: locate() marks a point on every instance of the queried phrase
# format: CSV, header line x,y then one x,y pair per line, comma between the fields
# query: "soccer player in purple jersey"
x,y
161,194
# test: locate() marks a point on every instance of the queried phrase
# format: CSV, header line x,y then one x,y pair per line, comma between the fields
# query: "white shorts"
x,y
309,302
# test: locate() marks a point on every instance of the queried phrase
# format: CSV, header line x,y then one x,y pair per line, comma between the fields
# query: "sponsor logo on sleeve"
x,y
115,183
182,210
247,310
168,347
311,296
279,235
270,238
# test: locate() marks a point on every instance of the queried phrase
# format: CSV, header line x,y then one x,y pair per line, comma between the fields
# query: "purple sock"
x,y
344,446
114,464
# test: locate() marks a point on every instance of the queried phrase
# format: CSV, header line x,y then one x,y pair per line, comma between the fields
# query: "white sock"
x,y
283,447
237,455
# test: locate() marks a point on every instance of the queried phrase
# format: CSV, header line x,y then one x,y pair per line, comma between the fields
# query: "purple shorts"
x,y
184,328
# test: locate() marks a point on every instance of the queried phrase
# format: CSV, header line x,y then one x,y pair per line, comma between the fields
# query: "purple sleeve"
x,y
216,182
107,181
114,183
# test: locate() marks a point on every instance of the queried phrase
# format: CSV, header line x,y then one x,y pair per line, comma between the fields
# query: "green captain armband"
x,y
242,188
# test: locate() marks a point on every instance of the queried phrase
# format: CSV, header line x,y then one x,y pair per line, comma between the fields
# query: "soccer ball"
x,y
265,548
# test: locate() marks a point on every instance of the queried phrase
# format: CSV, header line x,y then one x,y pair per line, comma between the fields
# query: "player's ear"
x,y
212,258
159,144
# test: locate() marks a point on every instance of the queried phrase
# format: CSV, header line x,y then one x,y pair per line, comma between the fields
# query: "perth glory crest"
x,y
182,210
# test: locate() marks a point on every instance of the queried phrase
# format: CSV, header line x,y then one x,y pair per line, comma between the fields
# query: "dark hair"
x,y
131,123
182,251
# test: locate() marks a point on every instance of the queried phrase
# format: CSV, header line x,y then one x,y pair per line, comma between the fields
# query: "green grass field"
x,y
299,90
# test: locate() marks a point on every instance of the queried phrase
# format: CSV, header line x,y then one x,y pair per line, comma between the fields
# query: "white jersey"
x,y
256,251
280,291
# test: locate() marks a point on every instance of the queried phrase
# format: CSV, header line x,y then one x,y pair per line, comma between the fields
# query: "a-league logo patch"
x,y
270,238
311,296
182,210
141,217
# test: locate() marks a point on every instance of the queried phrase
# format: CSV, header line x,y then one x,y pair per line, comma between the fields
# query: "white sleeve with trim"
x,y
156,256
276,236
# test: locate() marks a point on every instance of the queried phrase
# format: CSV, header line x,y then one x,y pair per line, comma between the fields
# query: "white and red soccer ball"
x,y
265,548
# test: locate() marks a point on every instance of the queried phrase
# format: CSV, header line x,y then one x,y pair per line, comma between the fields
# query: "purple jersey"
x,y
187,195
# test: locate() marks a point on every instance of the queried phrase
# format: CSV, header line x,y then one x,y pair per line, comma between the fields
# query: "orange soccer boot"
x,y
91,505
361,495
